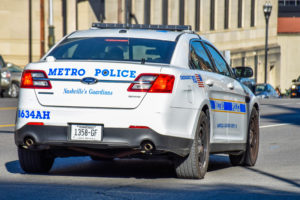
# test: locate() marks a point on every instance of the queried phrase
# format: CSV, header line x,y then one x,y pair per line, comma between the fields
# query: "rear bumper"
x,y
112,138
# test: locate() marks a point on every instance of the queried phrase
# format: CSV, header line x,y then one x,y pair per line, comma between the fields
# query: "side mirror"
x,y
243,72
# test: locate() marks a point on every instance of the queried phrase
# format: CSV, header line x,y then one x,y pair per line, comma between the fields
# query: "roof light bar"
x,y
142,26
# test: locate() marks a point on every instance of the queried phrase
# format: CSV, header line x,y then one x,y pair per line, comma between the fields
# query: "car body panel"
x,y
174,114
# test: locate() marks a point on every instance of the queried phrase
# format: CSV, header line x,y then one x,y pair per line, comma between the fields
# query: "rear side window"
x,y
199,58
117,49
220,63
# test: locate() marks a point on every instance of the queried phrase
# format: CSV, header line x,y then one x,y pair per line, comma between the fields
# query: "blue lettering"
x,y
112,73
60,71
52,72
74,72
123,73
27,114
46,114
38,115
132,74
81,72
105,72
97,72
119,71
32,114
67,71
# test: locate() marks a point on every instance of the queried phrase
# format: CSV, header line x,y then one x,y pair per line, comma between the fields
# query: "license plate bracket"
x,y
85,132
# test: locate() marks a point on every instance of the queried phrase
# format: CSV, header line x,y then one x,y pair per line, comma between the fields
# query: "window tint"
x,y
199,58
118,49
220,63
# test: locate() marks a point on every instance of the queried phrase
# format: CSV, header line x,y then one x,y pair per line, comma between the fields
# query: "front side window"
x,y
199,58
220,63
116,49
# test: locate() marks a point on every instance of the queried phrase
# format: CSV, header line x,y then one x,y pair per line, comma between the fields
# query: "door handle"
x,y
230,86
210,83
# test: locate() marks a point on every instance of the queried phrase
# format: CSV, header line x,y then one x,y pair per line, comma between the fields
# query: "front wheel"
x,y
195,165
249,157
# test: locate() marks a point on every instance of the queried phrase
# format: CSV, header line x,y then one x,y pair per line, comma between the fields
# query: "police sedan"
x,y
135,91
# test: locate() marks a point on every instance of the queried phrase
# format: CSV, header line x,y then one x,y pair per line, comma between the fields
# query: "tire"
x,y
13,90
35,161
249,157
195,165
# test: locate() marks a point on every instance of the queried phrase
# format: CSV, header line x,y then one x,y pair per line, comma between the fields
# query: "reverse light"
x,y
293,86
153,83
35,79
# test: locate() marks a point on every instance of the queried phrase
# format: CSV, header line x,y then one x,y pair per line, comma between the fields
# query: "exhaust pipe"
x,y
29,142
147,147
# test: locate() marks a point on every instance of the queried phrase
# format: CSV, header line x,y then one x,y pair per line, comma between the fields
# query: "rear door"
x,y
230,100
213,84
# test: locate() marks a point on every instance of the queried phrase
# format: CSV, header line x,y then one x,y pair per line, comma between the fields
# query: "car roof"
x,y
130,33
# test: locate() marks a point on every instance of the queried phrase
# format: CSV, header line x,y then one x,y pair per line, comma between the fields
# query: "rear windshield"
x,y
117,49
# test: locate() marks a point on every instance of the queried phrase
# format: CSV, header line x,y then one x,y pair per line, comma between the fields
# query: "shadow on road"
x,y
291,116
151,169
4,131
288,181
139,169
141,191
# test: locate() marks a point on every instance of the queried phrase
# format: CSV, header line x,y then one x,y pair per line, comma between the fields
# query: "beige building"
x,y
235,25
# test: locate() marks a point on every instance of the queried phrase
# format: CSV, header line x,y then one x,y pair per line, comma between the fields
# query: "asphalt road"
x,y
275,176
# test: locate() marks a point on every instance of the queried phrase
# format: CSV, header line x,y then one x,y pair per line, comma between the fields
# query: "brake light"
x,y
153,83
35,79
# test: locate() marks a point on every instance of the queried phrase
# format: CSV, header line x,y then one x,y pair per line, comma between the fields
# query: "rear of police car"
x,y
102,92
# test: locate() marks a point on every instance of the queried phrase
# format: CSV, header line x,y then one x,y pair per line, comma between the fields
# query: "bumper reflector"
x,y
35,123
144,127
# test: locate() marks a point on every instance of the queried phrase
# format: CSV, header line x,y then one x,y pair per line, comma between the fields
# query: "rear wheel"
x,y
35,161
249,157
194,166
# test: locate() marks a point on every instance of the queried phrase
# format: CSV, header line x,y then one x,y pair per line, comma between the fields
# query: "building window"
x,y
165,12
147,13
197,15
181,12
289,2
226,14
240,13
252,22
212,15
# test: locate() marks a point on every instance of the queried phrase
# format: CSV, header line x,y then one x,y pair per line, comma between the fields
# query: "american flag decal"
x,y
199,80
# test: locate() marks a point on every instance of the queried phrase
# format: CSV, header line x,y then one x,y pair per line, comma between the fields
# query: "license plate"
x,y
86,132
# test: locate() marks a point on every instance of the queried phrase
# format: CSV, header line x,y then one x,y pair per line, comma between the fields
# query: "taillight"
x,y
35,79
153,83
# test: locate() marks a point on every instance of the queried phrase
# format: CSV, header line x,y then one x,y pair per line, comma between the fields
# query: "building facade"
x,y
289,40
234,25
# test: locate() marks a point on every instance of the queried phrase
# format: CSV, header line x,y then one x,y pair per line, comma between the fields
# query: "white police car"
x,y
143,91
